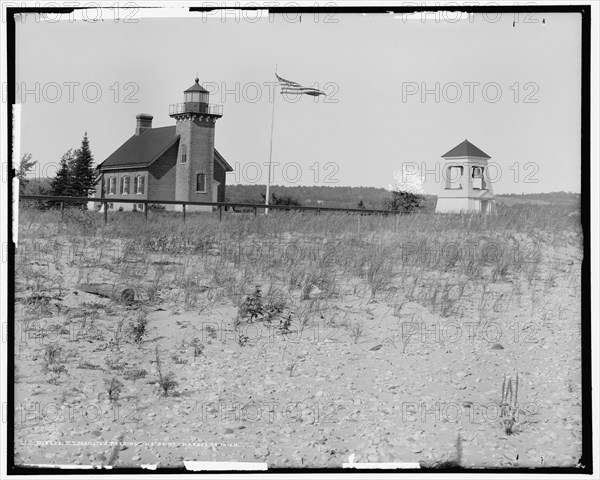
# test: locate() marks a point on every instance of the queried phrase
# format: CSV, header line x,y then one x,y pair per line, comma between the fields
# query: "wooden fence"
x,y
220,205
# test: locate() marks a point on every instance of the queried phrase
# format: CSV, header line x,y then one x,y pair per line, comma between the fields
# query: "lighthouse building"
x,y
177,162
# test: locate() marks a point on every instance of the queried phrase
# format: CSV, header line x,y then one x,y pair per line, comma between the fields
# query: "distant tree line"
x,y
281,200
337,197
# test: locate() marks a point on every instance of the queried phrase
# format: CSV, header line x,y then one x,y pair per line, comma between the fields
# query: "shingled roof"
x,y
142,150
466,149
196,87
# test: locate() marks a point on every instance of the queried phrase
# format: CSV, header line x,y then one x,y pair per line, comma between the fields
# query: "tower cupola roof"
x,y
466,149
196,87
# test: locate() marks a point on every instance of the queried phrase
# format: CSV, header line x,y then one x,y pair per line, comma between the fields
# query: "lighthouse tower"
x,y
195,124
466,187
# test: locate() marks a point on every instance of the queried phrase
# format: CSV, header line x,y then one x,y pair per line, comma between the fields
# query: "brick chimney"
x,y
143,123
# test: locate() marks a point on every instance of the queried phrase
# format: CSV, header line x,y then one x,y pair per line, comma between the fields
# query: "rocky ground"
x,y
365,379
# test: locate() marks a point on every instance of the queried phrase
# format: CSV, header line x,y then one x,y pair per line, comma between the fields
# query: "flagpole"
x,y
270,151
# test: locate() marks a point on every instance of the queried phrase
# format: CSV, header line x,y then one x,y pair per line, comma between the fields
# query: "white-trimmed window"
x,y
125,185
139,184
112,186
183,153
201,183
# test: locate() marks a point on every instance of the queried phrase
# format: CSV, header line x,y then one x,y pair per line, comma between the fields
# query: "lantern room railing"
x,y
193,107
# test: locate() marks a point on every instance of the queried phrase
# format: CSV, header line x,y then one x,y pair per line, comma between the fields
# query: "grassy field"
x,y
299,339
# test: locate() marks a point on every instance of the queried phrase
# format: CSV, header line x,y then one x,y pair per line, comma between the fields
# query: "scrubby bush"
x,y
406,194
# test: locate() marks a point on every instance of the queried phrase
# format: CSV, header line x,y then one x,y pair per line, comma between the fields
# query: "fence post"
x,y
62,208
255,211
105,205
183,212
220,213
146,211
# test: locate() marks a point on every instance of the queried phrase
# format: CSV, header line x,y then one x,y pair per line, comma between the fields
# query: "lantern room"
x,y
195,100
195,94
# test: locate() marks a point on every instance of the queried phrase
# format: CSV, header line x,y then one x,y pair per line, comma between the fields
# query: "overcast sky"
x,y
513,91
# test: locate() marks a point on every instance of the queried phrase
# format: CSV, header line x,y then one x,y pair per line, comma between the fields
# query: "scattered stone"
x,y
128,296
261,452
497,346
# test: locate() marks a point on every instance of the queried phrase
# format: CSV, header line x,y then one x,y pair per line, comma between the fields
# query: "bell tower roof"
x,y
466,149
196,87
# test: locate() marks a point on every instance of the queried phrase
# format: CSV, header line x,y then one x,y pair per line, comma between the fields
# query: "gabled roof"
x,y
466,149
219,158
142,150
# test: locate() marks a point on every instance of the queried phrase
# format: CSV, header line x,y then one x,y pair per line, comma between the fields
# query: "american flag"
x,y
294,88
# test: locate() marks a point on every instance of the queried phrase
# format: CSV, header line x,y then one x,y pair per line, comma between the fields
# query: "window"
x,y
125,185
478,181
112,185
139,184
454,174
184,154
195,97
110,206
138,206
201,183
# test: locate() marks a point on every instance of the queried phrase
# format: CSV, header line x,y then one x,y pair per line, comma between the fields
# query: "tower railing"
x,y
194,107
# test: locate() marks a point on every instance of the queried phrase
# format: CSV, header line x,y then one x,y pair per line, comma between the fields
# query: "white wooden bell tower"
x,y
466,187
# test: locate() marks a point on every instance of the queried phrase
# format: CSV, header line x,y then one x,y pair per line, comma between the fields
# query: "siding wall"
x,y
220,176
162,175
118,175
199,136
166,176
